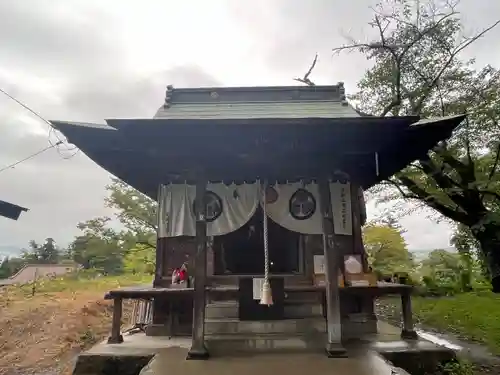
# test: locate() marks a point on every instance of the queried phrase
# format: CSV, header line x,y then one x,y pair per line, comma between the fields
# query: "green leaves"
x,y
111,251
136,211
417,69
386,249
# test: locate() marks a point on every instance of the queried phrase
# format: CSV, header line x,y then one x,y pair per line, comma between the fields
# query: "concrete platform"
x,y
172,361
288,326
376,354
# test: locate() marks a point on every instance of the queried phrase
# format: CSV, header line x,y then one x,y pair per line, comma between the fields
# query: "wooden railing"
x,y
142,314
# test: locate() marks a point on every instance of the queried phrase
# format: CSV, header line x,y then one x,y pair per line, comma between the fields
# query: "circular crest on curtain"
x,y
302,204
213,206
271,195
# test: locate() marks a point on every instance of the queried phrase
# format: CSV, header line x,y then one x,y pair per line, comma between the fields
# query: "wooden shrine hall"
x,y
260,193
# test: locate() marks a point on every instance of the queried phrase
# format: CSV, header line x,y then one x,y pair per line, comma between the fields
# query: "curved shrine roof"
x,y
241,134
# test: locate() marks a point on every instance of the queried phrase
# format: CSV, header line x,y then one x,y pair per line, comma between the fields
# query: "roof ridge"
x,y
297,101
255,94
257,88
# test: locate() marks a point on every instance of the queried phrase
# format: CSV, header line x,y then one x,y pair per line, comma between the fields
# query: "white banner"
x,y
319,264
341,208
257,287
362,206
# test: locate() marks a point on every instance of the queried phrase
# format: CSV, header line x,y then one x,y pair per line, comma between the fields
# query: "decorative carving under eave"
x,y
168,96
343,99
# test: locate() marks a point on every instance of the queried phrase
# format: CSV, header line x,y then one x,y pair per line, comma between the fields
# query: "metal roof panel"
x,y
272,110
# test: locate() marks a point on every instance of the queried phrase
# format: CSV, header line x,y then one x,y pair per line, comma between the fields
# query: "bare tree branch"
x,y
445,66
400,190
433,202
306,79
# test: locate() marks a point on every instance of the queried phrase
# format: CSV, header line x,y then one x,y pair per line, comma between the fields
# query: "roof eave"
x,y
10,210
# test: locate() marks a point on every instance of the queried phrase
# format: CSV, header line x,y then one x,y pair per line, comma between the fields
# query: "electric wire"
x,y
13,165
52,131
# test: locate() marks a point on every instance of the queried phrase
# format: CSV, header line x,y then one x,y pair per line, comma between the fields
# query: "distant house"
x,y
10,210
32,272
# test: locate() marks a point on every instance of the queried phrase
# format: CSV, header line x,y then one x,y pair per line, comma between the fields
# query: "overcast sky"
x,y
93,59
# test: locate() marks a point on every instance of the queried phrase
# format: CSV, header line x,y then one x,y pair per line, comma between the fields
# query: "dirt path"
x,y
484,362
42,334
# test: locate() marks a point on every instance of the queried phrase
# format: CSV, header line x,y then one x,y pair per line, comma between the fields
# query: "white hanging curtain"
x,y
295,206
239,203
229,207
175,209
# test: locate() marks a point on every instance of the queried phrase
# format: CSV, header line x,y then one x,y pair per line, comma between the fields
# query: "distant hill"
x,y
421,254
9,251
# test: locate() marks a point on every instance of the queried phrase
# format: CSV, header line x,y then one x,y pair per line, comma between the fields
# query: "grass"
x,y
474,316
63,317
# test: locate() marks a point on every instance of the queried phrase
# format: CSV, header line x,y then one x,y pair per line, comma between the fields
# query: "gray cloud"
x,y
66,64
70,60
125,97
59,192
57,37
292,31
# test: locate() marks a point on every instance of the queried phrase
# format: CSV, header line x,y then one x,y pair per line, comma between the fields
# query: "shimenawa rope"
x,y
266,297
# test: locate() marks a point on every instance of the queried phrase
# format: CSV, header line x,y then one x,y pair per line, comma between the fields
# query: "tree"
x,y
10,266
386,249
390,221
109,250
47,253
469,249
417,70
136,212
140,259
5,270
99,247
443,264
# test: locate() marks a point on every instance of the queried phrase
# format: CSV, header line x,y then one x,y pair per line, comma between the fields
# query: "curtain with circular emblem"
x,y
228,208
295,206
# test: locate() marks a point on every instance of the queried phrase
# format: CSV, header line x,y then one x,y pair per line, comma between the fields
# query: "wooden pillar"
x,y
357,202
408,331
161,248
334,346
116,335
161,240
357,224
198,349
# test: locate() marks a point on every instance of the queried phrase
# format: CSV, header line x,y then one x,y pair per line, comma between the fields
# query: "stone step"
x,y
221,310
287,326
228,344
229,310
289,280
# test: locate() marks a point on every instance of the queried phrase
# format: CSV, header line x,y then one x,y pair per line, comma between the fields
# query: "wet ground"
x,y
483,361
172,360
367,356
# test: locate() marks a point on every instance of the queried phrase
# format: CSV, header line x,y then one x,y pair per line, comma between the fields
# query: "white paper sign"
x,y
360,283
352,264
319,264
341,208
257,287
